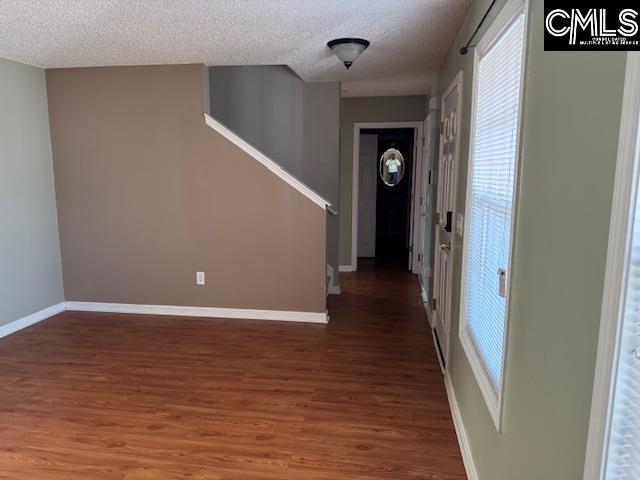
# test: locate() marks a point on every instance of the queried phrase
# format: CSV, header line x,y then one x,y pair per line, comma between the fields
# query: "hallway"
x,y
380,321
131,397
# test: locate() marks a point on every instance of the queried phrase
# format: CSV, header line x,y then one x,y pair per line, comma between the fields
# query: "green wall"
x,y
570,129
366,109
30,269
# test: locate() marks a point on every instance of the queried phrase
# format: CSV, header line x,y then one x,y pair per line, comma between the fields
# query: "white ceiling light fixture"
x,y
348,49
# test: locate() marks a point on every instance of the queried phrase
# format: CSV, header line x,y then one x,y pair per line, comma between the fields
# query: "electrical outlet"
x,y
200,278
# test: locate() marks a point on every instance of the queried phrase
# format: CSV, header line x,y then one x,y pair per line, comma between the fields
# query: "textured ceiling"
x,y
409,38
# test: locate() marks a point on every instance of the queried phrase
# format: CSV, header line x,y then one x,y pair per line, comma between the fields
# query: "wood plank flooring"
x,y
122,397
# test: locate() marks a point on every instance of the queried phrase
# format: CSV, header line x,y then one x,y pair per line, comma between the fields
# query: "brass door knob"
x,y
445,247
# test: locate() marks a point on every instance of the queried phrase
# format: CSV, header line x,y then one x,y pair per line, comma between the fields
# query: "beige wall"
x,y
148,195
30,272
366,109
570,130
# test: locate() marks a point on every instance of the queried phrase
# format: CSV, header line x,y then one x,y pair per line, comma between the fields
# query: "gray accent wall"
x,y
263,104
30,268
295,123
570,130
321,158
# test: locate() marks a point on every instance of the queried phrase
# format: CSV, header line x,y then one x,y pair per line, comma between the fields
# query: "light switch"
x,y
200,278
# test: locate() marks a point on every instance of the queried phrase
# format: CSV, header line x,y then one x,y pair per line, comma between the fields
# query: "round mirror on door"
x,y
391,167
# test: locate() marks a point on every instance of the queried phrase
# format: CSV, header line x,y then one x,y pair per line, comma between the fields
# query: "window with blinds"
x,y
490,199
623,450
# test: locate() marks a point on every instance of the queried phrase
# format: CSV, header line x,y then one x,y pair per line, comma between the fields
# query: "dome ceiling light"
x,y
348,49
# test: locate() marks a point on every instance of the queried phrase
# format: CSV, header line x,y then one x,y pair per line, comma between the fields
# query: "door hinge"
x,y
433,304
437,218
419,257
441,128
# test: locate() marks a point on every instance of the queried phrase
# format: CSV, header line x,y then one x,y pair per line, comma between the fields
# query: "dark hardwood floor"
x,y
113,396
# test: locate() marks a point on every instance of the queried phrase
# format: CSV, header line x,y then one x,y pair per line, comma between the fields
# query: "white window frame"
x,y
492,396
625,191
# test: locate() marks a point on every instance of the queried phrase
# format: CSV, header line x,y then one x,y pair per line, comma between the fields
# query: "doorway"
x,y
383,192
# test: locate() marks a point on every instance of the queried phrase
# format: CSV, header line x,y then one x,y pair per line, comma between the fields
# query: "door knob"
x,y
445,247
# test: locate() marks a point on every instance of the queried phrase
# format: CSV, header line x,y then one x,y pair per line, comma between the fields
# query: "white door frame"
x,y
430,150
417,152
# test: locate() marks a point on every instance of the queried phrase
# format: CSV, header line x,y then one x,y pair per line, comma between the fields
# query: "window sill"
x,y
492,398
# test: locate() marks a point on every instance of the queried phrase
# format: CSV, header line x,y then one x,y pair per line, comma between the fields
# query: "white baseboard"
x,y
463,440
287,316
334,290
427,307
345,268
244,313
438,352
29,320
430,317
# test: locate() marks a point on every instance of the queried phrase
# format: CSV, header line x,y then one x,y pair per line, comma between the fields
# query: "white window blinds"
x,y
623,451
491,191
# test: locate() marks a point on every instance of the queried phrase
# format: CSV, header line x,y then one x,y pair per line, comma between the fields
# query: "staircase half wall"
x,y
294,123
148,194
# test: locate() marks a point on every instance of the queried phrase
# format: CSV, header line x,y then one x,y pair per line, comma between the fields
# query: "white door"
x,y
427,200
445,214
367,195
